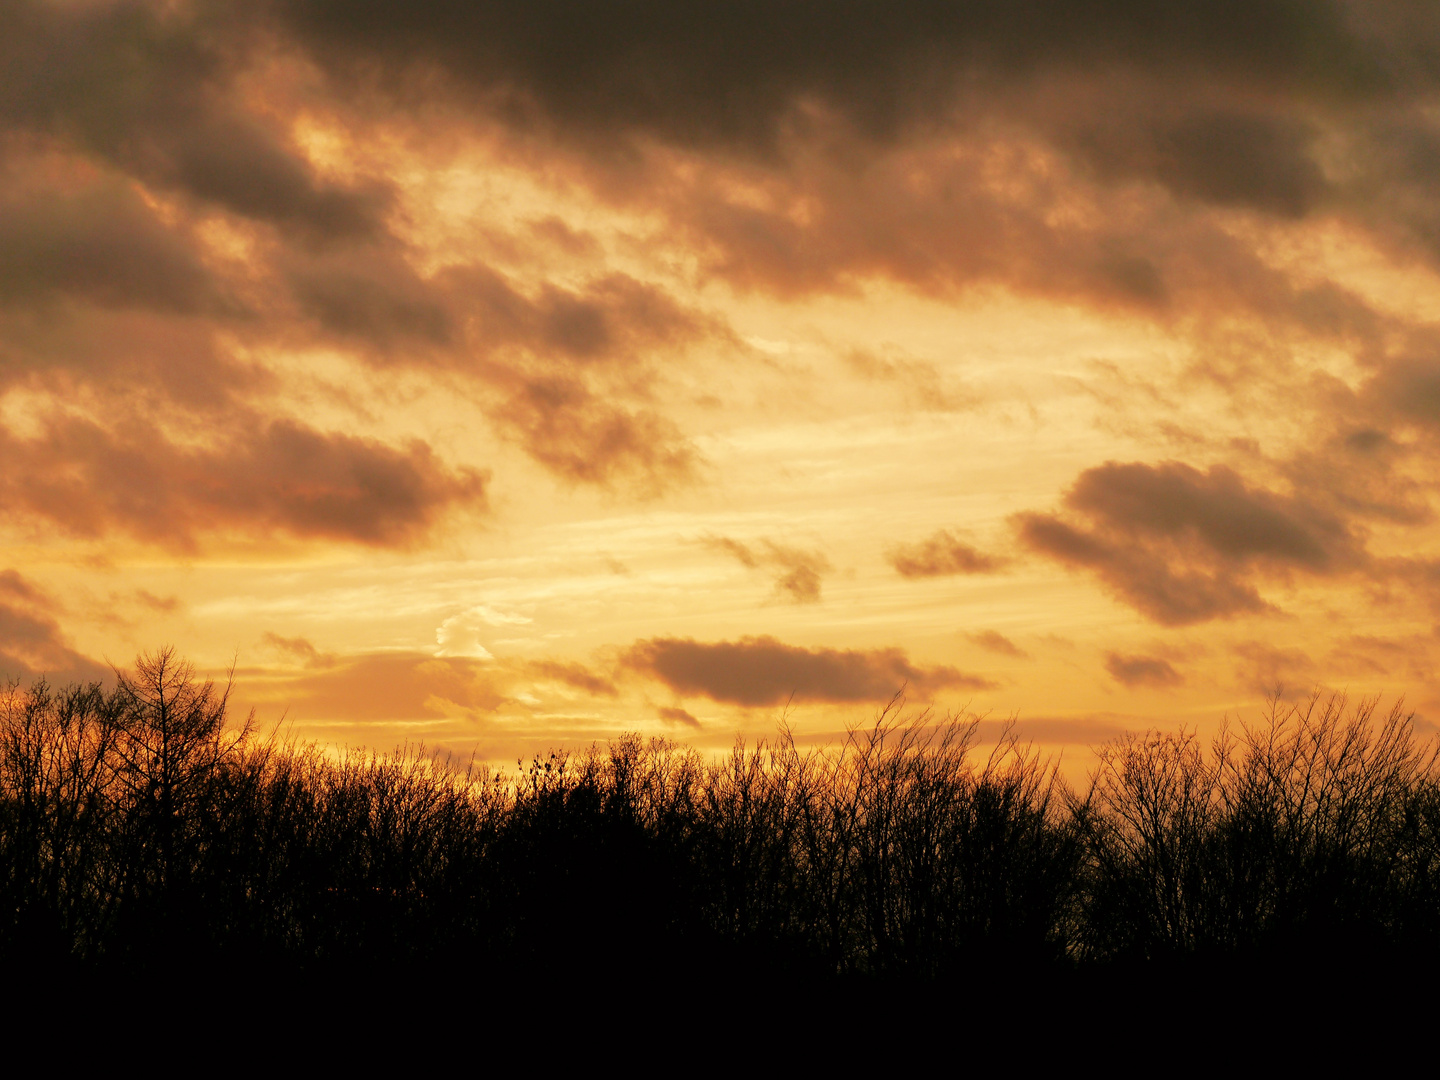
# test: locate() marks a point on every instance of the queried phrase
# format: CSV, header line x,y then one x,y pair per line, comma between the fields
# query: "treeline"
x,y
138,829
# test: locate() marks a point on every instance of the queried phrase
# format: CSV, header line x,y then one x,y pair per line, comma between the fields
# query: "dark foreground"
x,y
140,835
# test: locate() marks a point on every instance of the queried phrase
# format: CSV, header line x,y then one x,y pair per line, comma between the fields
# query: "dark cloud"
x,y
1406,390
374,298
374,302
1222,156
799,574
1065,151
987,206
996,642
1216,102
1182,546
102,245
942,554
150,90
280,478
763,671
1141,670
698,73
1228,517
1363,473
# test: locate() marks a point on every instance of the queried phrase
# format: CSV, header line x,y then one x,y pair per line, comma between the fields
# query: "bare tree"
x,y
173,745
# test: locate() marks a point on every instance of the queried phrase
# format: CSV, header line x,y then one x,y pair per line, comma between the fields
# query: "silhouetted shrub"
x,y
1312,833
140,830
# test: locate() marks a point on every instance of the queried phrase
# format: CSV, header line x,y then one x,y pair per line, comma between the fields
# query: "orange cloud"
x,y
763,671
31,642
1182,546
276,478
798,574
1142,670
392,686
940,555
996,642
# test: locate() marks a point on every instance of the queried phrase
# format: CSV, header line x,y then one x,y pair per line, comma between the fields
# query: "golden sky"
x,y
502,375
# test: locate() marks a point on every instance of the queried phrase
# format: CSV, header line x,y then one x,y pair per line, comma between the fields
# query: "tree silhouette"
x,y
171,750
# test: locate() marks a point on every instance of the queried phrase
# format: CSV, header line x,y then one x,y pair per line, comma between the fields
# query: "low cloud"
x,y
392,687
763,671
1141,670
996,642
941,555
573,675
298,648
677,716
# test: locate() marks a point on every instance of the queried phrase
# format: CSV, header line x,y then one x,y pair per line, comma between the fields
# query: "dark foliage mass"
x,y
140,830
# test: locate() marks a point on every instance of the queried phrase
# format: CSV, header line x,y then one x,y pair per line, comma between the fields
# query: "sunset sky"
x,y
506,375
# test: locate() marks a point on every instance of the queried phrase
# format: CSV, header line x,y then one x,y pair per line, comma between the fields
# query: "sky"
x,y
498,376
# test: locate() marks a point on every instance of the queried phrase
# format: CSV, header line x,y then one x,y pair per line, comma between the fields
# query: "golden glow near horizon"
x,y
498,422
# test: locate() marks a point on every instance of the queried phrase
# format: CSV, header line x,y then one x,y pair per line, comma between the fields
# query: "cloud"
x,y
799,574
920,382
1270,669
1146,119
100,244
677,716
584,438
299,648
1223,156
278,478
152,91
166,604
572,674
450,699
1182,546
996,642
611,317
1141,670
391,686
942,554
461,635
31,641
696,74
763,671
168,230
